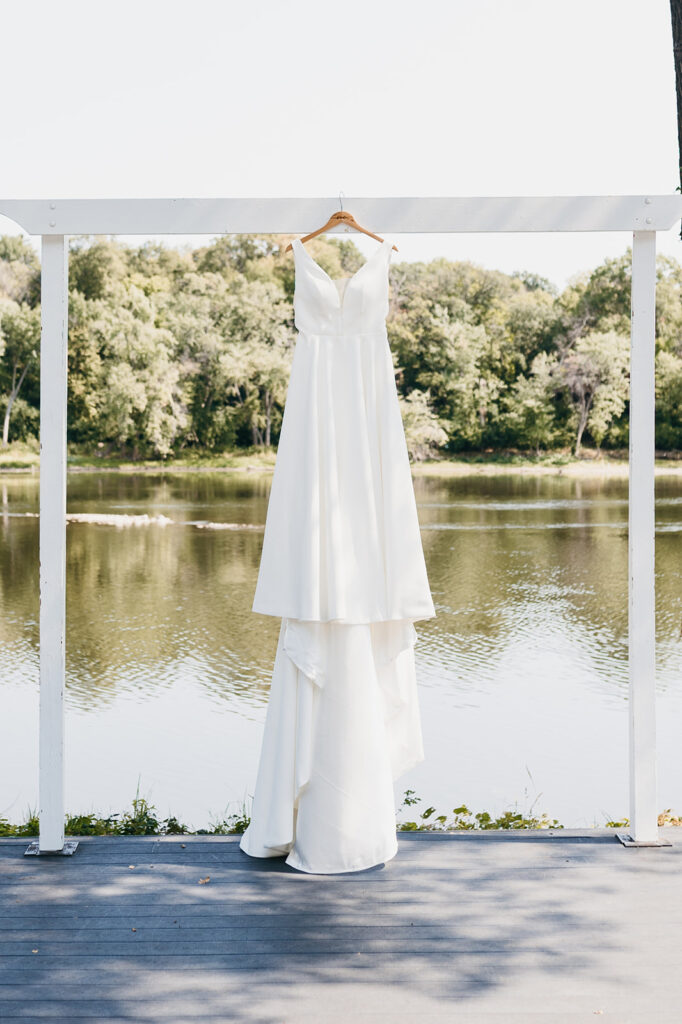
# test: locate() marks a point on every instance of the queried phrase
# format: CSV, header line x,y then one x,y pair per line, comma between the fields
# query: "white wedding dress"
x,y
342,565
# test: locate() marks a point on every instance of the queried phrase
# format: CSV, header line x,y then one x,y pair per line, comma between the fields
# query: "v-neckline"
x,y
349,280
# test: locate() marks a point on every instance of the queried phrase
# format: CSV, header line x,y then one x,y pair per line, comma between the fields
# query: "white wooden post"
x,y
642,620
53,375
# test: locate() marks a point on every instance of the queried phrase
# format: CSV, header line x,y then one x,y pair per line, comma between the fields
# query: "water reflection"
x,y
528,575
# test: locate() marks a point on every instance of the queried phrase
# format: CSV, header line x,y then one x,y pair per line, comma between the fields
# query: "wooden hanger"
x,y
340,217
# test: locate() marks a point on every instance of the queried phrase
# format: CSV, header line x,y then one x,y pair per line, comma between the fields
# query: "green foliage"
x,y
668,400
30,827
594,373
423,431
19,270
464,820
19,354
529,414
95,268
175,350
142,821
235,824
25,419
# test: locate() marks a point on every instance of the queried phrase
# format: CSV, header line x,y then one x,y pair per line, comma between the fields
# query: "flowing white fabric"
x,y
342,564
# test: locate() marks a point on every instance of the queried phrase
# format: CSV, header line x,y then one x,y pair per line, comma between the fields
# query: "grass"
x,y
141,820
20,455
25,456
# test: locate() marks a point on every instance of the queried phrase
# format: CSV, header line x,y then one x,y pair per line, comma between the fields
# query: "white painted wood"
x,y
386,215
642,618
54,220
53,370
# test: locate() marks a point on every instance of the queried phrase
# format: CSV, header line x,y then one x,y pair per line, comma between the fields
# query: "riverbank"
x,y
141,820
22,458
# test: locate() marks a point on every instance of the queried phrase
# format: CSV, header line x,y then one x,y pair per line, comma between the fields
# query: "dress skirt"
x,y
342,723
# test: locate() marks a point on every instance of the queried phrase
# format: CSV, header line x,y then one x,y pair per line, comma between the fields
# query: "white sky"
x,y
367,97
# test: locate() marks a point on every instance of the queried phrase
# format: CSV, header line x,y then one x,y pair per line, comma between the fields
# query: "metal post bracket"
x,y
33,849
627,840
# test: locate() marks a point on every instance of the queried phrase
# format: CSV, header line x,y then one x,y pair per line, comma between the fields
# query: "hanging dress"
x,y
342,565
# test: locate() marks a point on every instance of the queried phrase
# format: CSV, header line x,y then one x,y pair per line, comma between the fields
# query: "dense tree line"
x,y
171,348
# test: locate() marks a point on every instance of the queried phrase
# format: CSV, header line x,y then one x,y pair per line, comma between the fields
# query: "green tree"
x,y
19,349
230,254
256,363
95,268
448,358
423,432
595,375
172,347
233,342
668,400
195,314
141,401
257,376
529,412
19,270
669,304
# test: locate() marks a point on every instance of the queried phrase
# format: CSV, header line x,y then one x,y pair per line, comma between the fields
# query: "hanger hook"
x,y
340,200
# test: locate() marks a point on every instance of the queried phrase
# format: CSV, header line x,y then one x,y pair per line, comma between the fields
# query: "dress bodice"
x,y
342,539
354,305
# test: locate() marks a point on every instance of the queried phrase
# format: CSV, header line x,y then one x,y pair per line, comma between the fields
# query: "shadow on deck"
x,y
475,927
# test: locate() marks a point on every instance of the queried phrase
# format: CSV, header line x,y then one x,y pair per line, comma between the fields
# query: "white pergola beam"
x,y
389,215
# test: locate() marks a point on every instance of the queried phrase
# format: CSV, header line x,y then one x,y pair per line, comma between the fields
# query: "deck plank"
x,y
487,929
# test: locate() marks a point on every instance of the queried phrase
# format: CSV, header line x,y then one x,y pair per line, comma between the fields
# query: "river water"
x,y
522,674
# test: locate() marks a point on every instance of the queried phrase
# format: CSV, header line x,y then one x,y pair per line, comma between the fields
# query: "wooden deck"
x,y
485,928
